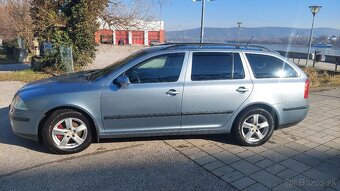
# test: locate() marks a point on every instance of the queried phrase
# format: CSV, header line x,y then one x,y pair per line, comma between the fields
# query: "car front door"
x,y
216,85
152,100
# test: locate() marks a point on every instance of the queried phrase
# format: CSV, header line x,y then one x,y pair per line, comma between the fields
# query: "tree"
x,y
322,39
47,18
337,42
129,15
82,25
68,23
15,20
49,23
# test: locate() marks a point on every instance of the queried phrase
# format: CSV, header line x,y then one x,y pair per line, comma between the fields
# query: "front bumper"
x,y
25,123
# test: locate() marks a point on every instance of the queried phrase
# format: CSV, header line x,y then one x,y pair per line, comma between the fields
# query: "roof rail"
x,y
236,46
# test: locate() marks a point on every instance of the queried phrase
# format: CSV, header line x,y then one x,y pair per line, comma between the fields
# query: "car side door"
x,y
216,85
151,103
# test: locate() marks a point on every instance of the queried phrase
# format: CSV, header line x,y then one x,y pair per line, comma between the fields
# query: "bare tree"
x,y
130,15
15,20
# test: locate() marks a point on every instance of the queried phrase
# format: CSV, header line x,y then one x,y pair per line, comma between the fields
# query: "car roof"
x,y
209,46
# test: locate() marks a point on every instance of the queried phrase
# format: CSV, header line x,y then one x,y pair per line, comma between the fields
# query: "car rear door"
x,y
216,85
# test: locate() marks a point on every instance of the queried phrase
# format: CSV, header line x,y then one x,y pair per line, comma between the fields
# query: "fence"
x,y
67,58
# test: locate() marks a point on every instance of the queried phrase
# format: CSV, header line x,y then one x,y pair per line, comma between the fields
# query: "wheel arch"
x,y
261,105
94,127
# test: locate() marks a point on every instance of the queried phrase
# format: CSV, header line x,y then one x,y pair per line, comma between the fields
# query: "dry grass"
x,y
322,78
23,76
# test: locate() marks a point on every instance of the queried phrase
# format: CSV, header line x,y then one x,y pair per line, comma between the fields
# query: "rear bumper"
x,y
290,116
25,123
287,125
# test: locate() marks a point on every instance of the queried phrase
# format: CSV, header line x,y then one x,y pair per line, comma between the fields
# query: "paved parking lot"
x,y
303,157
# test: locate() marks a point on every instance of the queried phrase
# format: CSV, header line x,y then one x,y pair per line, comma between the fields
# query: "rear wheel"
x,y
253,127
67,131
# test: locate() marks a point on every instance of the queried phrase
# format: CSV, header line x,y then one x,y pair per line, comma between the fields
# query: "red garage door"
x,y
104,36
153,36
137,37
122,36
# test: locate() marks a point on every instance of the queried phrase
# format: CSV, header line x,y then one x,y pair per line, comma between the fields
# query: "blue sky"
x,y
185,14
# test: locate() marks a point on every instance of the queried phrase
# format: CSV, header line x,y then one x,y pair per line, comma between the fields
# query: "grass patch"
x,y
23,76
322,78
6,58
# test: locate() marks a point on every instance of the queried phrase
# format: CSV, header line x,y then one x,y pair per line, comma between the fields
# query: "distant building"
x,y
143,33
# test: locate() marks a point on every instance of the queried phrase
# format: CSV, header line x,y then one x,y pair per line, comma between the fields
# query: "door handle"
x,y
242,89
172,92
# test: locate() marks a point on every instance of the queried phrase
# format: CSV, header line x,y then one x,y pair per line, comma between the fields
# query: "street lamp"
x,y
202,18
314,9
239,32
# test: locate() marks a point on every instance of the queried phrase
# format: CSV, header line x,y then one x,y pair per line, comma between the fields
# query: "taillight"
x,y
305,96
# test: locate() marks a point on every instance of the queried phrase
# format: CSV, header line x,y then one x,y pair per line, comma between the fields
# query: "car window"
x,y
216,66
163,68
109,69
155,63
265,66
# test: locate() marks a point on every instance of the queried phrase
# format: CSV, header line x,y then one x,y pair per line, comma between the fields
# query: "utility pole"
x,y
314,9
202,18
202,21
239,32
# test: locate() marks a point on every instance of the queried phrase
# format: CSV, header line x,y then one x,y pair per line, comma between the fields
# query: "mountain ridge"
x,y
259,33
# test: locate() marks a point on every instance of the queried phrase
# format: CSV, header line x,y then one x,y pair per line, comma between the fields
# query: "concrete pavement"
x,y
119,164
302,157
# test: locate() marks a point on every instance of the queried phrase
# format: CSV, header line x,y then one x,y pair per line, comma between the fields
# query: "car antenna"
x,y
250,40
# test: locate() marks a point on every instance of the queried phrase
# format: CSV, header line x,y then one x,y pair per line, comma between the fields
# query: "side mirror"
x,y
123,80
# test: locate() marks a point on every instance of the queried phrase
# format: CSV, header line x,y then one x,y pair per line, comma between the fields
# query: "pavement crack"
x,y
98,152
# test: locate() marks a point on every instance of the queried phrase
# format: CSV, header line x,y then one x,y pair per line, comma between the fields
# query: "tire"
x,y
259,132
62,138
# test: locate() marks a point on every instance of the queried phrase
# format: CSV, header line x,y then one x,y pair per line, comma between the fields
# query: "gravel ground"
x,y
8,89
119,164
108,54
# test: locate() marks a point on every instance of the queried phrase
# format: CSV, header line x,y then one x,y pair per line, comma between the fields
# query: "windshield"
x,y
109,69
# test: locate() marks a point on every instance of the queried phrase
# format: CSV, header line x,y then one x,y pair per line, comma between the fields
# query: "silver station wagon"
x,y
171,89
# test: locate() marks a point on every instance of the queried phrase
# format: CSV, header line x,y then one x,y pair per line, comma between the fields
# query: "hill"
x,y
260,33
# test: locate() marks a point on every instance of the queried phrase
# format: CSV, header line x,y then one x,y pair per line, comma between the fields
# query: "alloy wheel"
x,y
69,133
255,128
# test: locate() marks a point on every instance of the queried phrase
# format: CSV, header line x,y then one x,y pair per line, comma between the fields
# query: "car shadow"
x,y
8,137
221,138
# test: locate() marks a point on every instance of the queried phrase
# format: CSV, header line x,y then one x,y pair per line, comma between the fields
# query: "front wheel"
x,y
67,131
253,127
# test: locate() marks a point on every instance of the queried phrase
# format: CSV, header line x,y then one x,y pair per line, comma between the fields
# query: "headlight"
x,y
18,103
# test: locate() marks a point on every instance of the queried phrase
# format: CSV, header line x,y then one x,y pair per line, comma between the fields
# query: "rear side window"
x,y
265,66
216,66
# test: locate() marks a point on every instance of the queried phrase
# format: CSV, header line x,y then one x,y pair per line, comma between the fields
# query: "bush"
x,y
72,24
12,50
9,46
319,77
